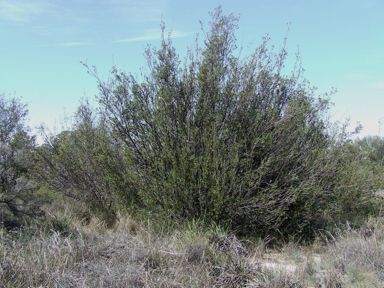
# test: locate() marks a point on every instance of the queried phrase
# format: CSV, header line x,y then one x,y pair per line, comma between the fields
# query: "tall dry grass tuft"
x,y
357,255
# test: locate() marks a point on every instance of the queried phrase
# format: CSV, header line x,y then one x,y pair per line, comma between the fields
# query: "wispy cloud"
x,y
366,80
378,85
360,4
22,11
50,16
71,44
139,11
66,44
357,76
154,34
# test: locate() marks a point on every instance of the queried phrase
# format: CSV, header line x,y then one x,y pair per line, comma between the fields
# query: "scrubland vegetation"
x,y
76,249
215,170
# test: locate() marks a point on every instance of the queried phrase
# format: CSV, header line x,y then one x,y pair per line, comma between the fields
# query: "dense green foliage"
x,y
221,138
17,198
230,139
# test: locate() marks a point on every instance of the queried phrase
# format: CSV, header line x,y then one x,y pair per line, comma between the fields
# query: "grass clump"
x,y
145,253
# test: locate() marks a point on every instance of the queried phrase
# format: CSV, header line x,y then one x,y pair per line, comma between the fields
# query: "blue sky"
x,y
43,42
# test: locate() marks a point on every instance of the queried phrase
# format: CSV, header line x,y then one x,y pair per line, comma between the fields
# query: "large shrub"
x,y
17,199
225,138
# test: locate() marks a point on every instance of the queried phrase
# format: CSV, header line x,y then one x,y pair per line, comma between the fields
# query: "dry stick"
x,y
54,279
174,254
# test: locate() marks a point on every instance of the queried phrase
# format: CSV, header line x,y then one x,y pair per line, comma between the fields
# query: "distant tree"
x,y
17,198
371,151
229,139
373,147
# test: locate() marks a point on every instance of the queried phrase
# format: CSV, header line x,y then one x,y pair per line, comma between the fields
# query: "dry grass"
x,y
75,249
